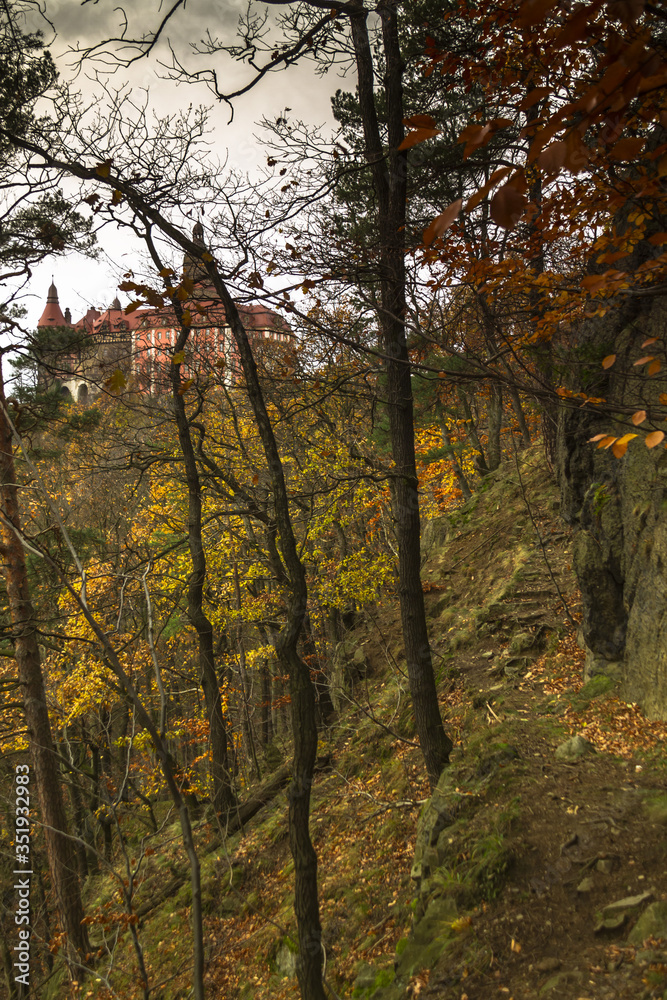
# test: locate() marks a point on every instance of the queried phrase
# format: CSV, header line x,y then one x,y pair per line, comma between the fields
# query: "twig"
x,y
497,717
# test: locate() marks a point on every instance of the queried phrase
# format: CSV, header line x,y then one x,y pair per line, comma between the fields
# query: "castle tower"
x,y
52,315
193,268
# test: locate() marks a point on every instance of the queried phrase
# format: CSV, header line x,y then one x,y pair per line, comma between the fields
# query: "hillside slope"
x,y
498,885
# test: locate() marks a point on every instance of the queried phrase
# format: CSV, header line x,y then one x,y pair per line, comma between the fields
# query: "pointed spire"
x,y
116,304
198,234
52,315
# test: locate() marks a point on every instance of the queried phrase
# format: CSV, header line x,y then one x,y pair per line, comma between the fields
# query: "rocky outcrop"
x,y
618,508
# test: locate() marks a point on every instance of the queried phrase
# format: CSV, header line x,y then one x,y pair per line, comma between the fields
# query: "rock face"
x,y
618,508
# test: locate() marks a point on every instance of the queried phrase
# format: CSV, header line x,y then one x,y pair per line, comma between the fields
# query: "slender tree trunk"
x,y
304,720
471,431
458,471
520,417
494,423
245,685
45,778
389,180
223,794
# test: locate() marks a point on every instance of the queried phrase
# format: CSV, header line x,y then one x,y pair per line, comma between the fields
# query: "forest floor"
x,y
545,846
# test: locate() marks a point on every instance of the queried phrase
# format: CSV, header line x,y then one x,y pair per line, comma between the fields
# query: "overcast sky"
x,y
82,283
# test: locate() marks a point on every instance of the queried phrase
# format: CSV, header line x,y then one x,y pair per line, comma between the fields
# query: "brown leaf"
x,y
534,11
507,206
627,149
419,135
533,96
419,121
480,195
552,159
576,28
442,222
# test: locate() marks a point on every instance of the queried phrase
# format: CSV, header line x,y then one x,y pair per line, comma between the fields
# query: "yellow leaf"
x,y
620,447
103,169
186,318
654,438
178,358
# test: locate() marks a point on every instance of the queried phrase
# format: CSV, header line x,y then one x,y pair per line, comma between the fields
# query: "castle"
x,y
112,350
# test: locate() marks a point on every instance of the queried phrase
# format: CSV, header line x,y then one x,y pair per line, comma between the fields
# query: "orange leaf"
x,y
598,437
420,135
608,361
639,417
658,239
643,361
653,368
663,398
620,447
606,441
593,282
651,340
654,438
442,222
507,206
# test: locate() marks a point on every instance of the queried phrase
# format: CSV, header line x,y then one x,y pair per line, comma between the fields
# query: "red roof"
x,y
52,315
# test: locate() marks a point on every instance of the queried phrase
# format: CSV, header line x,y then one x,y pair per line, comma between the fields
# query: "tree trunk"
x,y
304,721
223,794
494,423
471,430
389,180
458,471
520,417
45,777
